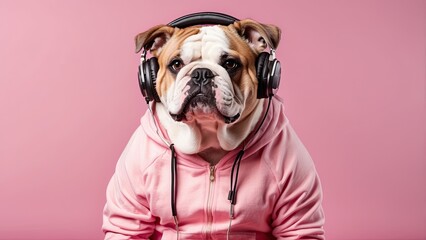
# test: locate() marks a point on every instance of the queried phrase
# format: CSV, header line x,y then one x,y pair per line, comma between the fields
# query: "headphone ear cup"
x,y
150,73
274,77
142,79
262,71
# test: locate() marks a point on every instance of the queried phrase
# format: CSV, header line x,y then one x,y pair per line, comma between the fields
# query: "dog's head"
x,y
207,81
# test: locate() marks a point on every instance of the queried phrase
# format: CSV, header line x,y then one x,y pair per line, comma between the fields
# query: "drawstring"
x,y
173,184
173,187
173,170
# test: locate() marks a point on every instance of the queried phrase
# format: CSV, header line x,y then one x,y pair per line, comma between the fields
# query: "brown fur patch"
x,y
271,33
170,50
246,80
147,38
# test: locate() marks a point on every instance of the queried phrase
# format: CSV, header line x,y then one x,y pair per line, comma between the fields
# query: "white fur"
x,y
204,50
185,137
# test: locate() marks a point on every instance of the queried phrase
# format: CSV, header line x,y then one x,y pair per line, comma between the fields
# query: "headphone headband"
x,y
203,18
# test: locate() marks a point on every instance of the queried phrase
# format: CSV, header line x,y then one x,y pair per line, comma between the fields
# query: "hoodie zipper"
x,y
210,203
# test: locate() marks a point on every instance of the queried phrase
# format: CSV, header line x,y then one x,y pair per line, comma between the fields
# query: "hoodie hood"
x,y
273,125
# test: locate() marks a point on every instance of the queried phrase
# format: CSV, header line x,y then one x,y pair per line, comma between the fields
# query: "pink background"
x,y
353,84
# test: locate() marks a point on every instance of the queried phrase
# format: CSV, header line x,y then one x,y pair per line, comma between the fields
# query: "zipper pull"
x,y
212,170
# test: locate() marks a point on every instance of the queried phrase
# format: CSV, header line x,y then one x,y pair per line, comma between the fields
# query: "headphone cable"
x,y
232,195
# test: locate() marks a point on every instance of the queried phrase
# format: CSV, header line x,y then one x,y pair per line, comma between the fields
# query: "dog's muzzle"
x,y
201,94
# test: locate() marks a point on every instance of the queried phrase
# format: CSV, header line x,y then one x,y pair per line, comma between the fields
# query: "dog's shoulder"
x,y
141,152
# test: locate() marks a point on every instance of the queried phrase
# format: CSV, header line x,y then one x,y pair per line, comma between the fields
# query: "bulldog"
x,y
207,83
210,121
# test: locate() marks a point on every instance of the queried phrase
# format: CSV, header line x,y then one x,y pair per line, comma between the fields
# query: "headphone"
x,y
268,68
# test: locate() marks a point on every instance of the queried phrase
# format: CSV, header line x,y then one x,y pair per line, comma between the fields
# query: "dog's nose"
x,y
202,76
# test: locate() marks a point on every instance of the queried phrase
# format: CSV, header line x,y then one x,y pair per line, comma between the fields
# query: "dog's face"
x,y
207,81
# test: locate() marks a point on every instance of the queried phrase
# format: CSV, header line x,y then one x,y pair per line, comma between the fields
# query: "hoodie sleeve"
x,y
298,212
126,214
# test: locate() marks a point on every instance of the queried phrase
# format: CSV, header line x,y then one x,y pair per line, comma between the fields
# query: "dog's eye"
x,y
230,65
175,65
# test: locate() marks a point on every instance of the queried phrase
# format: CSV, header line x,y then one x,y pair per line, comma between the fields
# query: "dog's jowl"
x,y
214,156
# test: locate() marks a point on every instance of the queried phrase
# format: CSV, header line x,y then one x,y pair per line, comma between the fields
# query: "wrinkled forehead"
x,y
209,44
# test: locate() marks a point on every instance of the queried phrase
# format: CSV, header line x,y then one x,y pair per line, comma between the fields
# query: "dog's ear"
x,y
153,39
259,36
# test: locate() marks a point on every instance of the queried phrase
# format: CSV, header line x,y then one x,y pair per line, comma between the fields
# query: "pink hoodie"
x,y
279,193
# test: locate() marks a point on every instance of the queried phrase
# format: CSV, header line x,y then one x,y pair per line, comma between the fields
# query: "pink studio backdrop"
x,y
353,84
